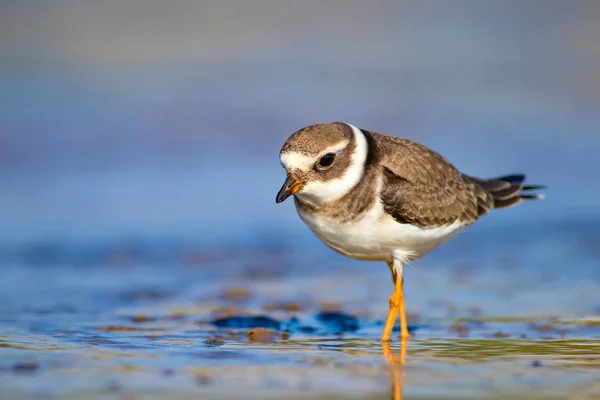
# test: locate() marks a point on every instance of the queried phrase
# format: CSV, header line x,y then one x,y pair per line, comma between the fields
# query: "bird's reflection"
x,y
395,367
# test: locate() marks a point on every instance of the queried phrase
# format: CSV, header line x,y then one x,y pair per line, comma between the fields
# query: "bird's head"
x,y
323,162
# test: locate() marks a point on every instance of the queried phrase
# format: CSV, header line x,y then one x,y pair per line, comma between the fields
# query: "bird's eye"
x,y
326,161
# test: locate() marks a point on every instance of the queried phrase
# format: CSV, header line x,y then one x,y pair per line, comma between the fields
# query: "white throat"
x,y
318,193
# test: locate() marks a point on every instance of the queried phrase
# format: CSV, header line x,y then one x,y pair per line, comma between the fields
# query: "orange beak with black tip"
x,y
290,187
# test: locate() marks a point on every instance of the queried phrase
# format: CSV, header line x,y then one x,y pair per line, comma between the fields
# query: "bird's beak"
x,y
290,187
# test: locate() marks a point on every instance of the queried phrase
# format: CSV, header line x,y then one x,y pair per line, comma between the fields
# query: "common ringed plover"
x,y
375,197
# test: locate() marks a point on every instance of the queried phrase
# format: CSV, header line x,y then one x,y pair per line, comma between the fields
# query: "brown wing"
x,y
420,187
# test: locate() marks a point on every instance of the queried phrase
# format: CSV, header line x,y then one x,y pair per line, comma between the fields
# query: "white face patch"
x,y
299,161
294,160
317,193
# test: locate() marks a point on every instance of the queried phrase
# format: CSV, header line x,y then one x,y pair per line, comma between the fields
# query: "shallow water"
x,y
167,321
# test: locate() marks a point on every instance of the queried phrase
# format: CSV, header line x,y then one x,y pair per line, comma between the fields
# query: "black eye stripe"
x,y
327,160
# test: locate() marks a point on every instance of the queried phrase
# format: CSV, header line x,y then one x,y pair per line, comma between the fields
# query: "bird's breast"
x,y
376,236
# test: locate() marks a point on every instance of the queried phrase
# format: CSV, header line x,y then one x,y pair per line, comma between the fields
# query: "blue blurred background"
x,y
148,118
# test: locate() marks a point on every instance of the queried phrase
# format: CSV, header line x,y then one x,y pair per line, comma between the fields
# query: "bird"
x,y
375,197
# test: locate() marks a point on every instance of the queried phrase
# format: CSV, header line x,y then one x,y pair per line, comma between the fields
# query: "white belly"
x,y
378,237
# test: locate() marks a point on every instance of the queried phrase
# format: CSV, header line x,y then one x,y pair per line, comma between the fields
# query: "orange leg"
x,y
396,307
392,315
403,325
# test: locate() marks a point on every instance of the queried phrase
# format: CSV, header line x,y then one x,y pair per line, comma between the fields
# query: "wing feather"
x,y
421,188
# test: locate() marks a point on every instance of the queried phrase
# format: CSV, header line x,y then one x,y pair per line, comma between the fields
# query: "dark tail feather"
x,y
513,201
538,196
534,187
507,191
515,178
